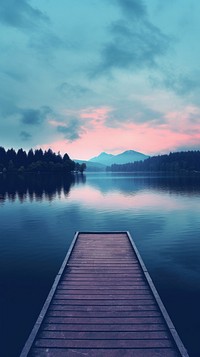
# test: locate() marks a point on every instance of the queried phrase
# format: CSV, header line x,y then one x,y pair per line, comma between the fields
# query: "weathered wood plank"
x,y
111,308
101,302
106,260
140,285
104,314
121,352
104,320
103,327
98,290
112,280
100,254
103,343
85,286
103,296
106,335
102,269
94,264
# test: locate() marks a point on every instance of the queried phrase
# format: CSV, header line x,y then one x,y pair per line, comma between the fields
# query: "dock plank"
x,y
104,320
100,302
85,343
104,327
103,303
108,335
112,308
73,352
104,314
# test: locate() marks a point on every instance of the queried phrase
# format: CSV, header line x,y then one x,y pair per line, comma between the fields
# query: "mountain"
x,y
103,158
123,158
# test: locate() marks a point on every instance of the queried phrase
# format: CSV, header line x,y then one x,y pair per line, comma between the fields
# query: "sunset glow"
x,y
87,76
143,137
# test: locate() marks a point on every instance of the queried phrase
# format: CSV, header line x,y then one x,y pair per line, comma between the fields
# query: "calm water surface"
x,y
38,219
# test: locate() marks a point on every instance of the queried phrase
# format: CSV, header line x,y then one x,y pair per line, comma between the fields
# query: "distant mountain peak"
x,y
130,152
101,157
122,158
105,154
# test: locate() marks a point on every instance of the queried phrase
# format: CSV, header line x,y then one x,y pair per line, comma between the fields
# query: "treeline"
x,y
39,161
177,162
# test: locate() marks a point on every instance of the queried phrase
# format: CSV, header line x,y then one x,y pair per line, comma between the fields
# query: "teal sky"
x,y
89,76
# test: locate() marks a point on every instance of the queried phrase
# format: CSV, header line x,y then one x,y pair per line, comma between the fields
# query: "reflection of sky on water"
x,y
94,197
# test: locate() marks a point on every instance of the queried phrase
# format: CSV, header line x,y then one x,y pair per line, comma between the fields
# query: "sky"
x,y
82,77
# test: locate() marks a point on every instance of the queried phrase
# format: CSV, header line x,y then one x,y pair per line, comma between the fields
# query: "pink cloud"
x,y
137,137
56,123
184,121
176,132
97,114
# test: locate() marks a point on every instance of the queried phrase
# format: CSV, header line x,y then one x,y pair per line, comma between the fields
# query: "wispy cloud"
x,y
20,14
35,25
132,111
184,121
182,84
133,8
95,115
71,130
34,116
73,90
134,42
25,136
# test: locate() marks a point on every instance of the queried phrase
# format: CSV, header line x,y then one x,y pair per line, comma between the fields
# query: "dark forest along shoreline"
x,y
37,161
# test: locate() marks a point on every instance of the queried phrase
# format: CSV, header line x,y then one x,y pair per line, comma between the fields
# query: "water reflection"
x,y
37,187
49,187
39,215
129,183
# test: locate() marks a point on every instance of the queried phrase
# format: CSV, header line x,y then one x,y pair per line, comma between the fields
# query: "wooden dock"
x,y
103,303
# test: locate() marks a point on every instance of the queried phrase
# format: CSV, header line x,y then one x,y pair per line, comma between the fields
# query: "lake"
x,y
39,216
